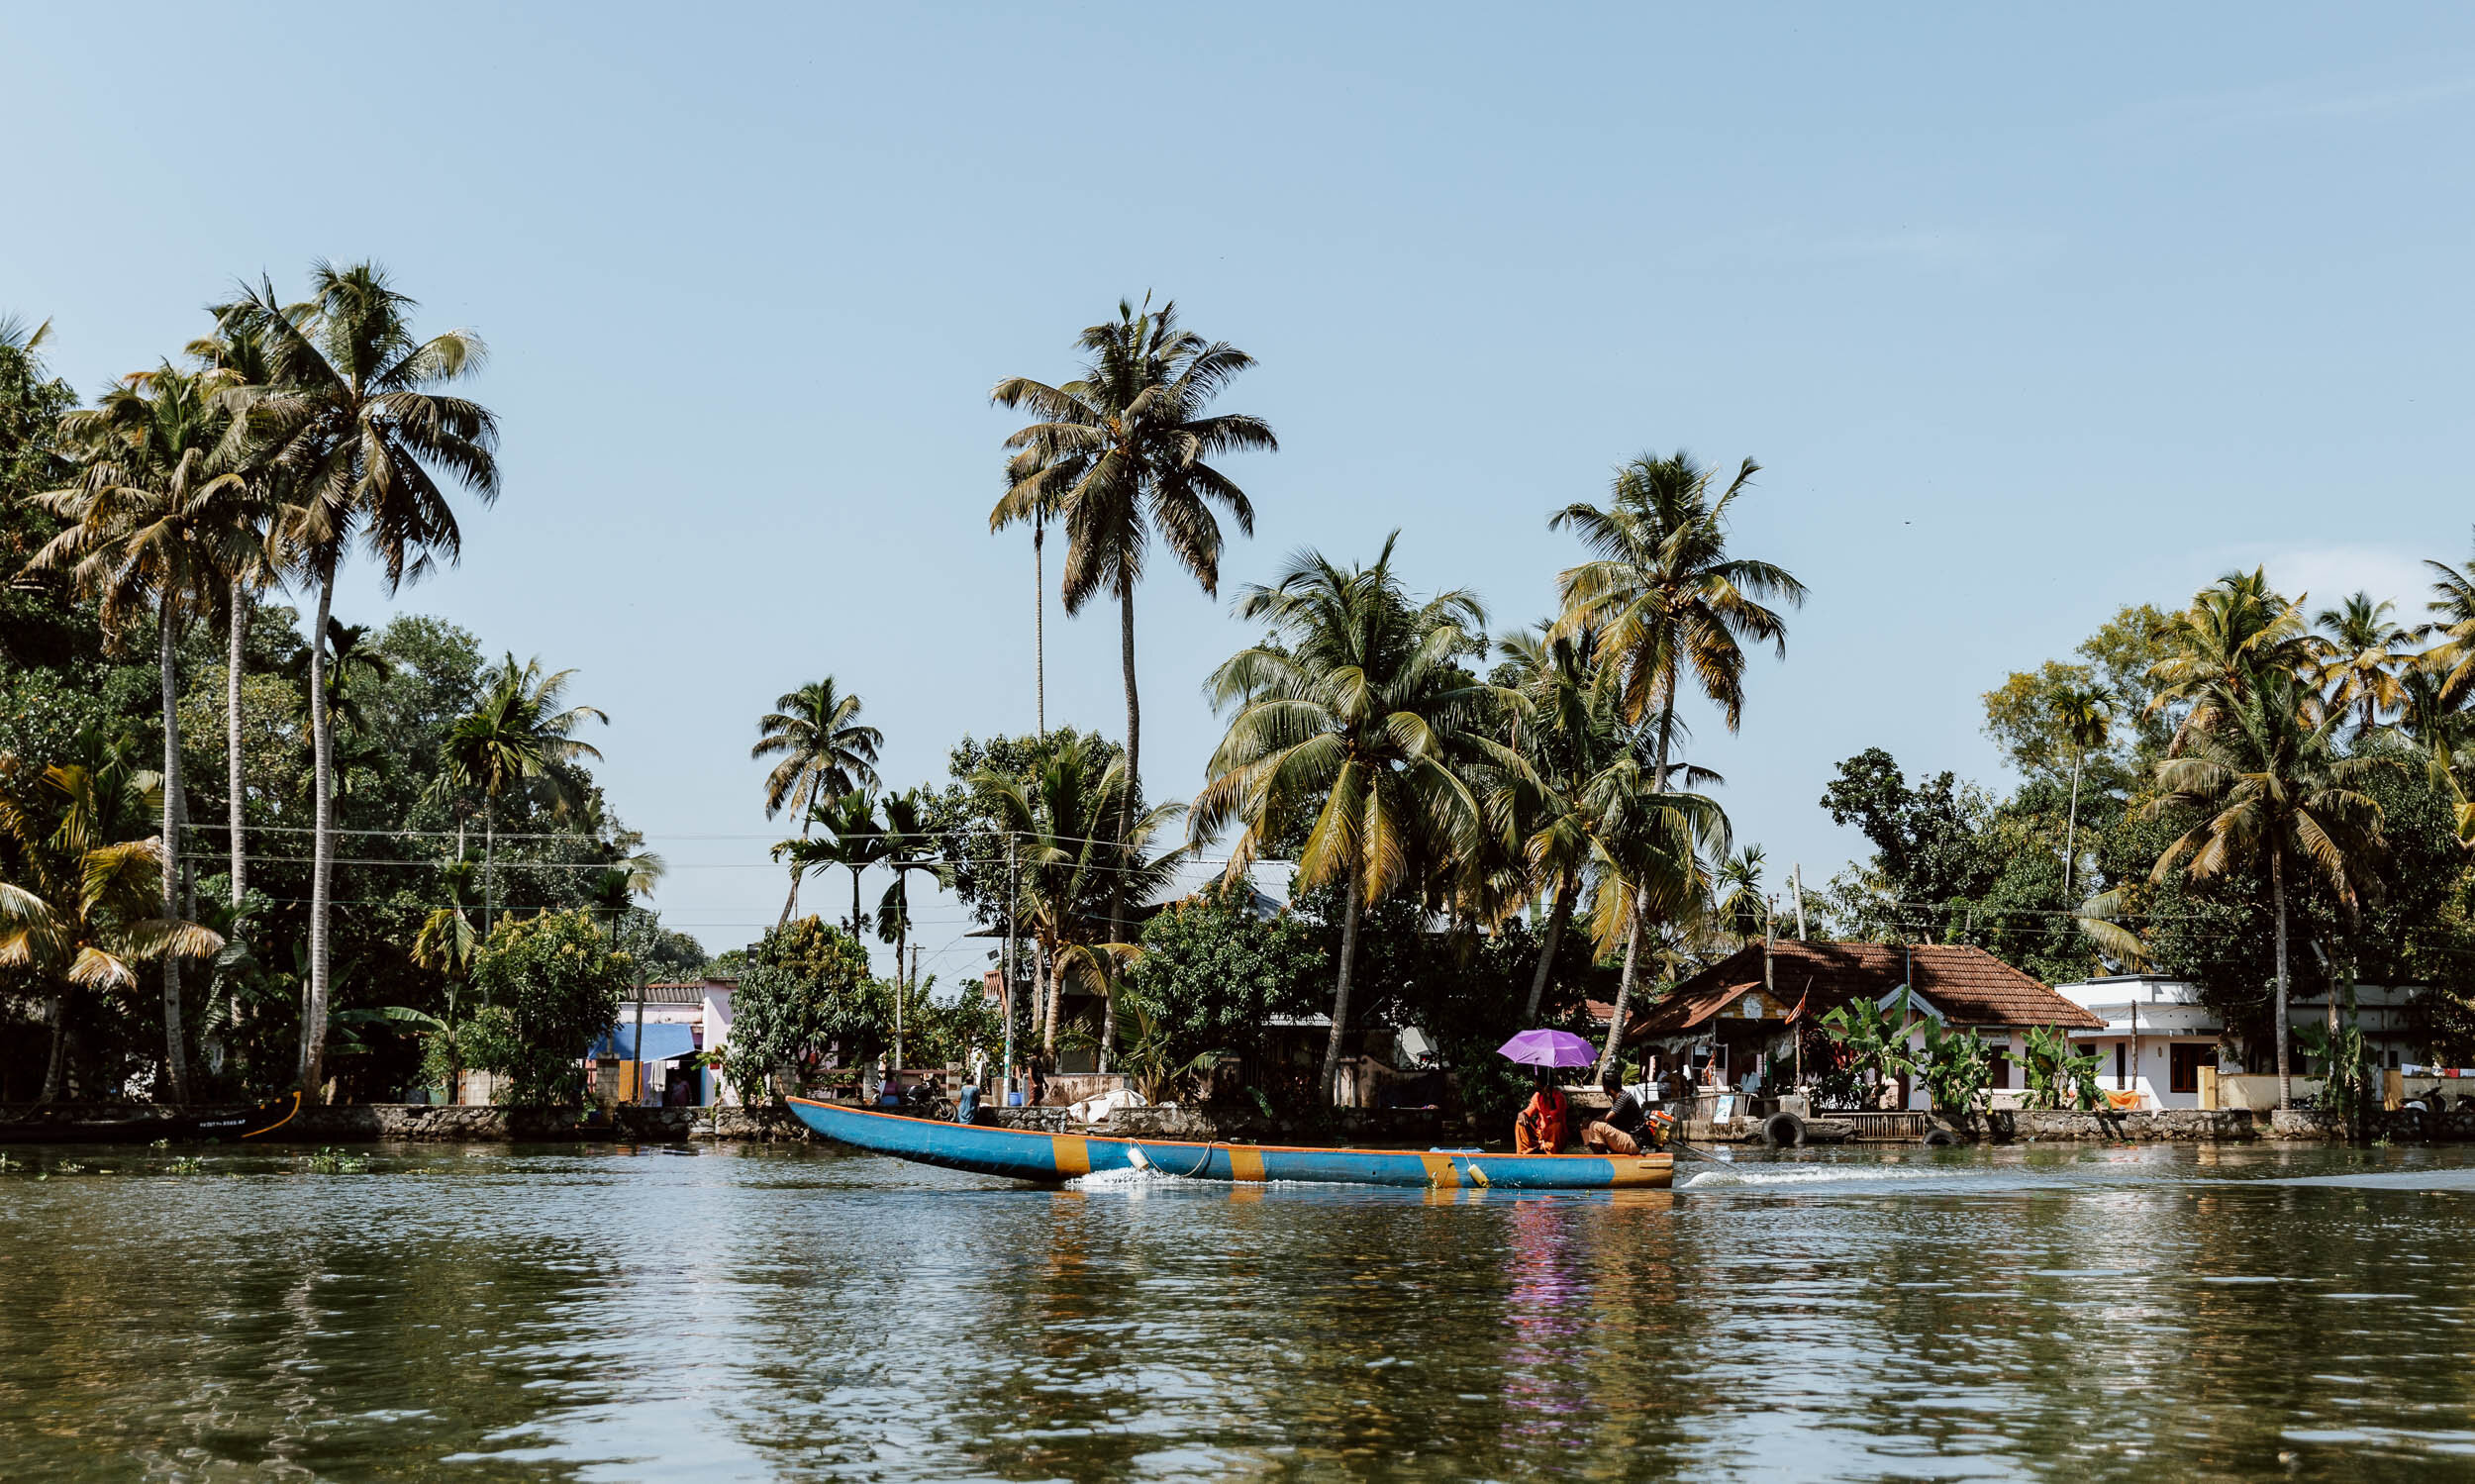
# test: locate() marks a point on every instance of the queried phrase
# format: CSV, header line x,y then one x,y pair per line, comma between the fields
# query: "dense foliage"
x,y
549,986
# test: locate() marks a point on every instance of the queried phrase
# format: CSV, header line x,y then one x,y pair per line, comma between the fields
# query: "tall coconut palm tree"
x,y
2367,652
1570,733
1039,504
447,944
77,885
1649,844
233,363
2274,790
826,752
910,848
353,425
1667,599
854,840
1743,911
1671,607
1121,453
149,527
1072,862
1356,711
520,733
2087,717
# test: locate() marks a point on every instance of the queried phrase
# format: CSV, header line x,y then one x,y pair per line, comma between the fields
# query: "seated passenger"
x,y
1620,1132
1539,1129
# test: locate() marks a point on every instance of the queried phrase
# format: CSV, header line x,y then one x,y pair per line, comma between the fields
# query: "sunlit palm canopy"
x,y
826,749
1359,710
1124,451
350,419
1662,592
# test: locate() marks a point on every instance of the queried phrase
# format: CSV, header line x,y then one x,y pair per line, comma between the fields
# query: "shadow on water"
x,y
2063,1313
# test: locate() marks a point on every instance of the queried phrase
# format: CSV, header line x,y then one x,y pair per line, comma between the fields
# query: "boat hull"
x,y
1021,1154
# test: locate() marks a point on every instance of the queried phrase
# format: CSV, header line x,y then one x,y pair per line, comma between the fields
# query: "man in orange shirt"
x,y
1540,1130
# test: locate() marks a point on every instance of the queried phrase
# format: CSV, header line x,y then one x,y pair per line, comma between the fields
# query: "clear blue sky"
x,y
2028,315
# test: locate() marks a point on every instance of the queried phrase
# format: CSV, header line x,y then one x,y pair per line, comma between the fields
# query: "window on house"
x,y
2121,1076
1998,1059
2184,1064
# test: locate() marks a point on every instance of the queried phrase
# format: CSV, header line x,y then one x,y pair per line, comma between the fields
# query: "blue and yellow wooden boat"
x,y
1019,1155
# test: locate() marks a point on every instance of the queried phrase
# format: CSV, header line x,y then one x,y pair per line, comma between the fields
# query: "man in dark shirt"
x,y
1620,1132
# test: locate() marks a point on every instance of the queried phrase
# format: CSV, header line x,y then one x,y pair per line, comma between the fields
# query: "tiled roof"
x,y
679,992
1970,986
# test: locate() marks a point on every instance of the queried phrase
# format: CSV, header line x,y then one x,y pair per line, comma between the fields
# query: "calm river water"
x,y
482,1314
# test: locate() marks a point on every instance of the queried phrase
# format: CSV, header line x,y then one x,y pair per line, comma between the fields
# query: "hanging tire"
x,y
1783,1130
1936,1139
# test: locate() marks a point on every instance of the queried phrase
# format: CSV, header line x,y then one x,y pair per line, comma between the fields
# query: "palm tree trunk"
x,y
2277,894
176,1052
1546,954
1039,637
312,1063
1053,992
1341,993
1623,991
489,865
2071,832
238,625
1108,1018
55,1015
1133,759
854,901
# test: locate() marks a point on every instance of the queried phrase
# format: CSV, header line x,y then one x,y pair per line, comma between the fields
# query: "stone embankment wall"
x,y
2174,1125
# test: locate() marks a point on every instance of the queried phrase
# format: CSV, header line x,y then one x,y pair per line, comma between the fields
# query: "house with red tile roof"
x,y
1734,1022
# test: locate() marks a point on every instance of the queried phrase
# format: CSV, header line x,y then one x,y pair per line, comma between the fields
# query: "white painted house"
x,y
2158,1036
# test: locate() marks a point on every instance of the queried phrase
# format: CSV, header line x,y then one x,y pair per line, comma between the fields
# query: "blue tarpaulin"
x,y
663,1040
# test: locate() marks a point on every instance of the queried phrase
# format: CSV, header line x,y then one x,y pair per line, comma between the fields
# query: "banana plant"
x,y
2054,1072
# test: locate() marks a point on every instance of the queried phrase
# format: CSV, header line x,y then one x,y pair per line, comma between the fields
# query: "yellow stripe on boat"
x,y
1073,1154
1439,1171
1245,1162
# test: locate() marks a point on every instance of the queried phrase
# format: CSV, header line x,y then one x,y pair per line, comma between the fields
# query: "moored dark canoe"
x,y
1021,1154
247,1123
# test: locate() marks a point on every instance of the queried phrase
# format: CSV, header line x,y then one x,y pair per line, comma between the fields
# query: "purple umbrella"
x,y
1548,1048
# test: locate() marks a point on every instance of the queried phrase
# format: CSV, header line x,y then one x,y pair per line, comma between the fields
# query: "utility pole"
x,y
1004,1087
1796,874
638,1051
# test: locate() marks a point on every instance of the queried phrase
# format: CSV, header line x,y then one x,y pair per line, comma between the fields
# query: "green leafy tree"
x,y
805,991
552,985
1212,974
1123,454
1355,713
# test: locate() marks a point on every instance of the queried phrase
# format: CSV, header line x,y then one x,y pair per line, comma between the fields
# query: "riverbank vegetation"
x,y
248,845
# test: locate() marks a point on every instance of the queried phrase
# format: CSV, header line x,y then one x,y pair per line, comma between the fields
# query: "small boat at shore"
x,y
1021,1154
177,1126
